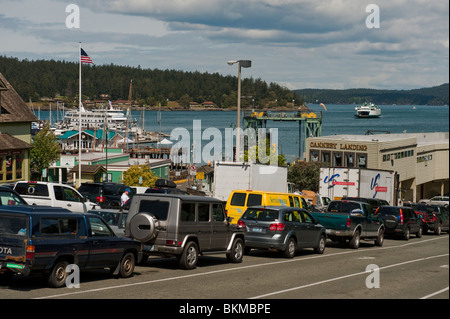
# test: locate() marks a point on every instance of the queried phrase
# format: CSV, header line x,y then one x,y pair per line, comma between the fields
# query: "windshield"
x,y
261,215
13,225
9,198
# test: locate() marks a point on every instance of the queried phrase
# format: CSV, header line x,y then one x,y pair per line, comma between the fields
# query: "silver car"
x,y
284,229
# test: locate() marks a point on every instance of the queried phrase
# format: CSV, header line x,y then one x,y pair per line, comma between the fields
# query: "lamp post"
x,y
242,64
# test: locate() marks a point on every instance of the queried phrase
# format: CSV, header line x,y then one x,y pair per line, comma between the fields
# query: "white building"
x,y
420,159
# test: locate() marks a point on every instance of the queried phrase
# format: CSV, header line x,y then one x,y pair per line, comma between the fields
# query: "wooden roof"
x,y
12,107
89,169
8,142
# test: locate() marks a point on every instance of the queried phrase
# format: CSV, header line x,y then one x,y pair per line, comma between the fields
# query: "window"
x,y
349,159
58,226
297,201
362,160
13,225
71,195
158,208
238,199
291,217
99,228
218,213
32,189
203,212
9,198
307,218
254,200
326,157
187,213
337,159
314,156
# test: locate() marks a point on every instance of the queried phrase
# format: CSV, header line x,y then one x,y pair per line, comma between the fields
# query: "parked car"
x,y
401,221
374,202
438,215
284,229
436,200
184,226
51,194
9,197
103,194
115,218
353,221
45,240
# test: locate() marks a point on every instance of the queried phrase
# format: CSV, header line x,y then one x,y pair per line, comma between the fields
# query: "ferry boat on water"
x,y
367,110
114,118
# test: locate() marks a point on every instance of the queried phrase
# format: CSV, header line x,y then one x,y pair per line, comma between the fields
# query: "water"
x,y
338,119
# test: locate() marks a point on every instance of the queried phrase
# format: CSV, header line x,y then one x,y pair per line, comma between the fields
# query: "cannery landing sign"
x,y
340,146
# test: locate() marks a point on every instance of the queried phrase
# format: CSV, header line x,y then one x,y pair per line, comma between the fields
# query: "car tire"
x,y
380,238
420,232
291,247
438,230
354,242
237,251
407,234
58,275
127,264
320,249
189,257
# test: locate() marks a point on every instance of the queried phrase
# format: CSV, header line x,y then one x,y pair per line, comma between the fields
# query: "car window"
x,y
99,227
187,213
297,202
203,212
291,216
261,214
218,213
307,218
254,200
13,225
31,189
71,195
58,226
89,189
387,210
238,199
158,208
9,198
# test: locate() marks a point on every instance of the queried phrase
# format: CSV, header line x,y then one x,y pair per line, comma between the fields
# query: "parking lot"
x,y
400,269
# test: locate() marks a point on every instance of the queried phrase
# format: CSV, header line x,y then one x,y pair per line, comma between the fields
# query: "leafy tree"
x,y
45,151
268,157
305,175
131,176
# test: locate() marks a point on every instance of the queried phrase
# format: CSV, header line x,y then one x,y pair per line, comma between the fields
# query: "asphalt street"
x,y
400,269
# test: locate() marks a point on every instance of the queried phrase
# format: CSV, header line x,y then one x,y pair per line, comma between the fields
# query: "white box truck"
x,y
229,176
336,183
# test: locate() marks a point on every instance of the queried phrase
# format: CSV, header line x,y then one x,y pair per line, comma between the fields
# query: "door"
x,y
220,237
104,245
69,198
309,230
204,226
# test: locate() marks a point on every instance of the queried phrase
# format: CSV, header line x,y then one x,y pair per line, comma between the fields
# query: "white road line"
x,y
230,269
435,293
343,277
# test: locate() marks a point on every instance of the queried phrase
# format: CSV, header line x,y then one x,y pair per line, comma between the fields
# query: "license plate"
x,y
257,229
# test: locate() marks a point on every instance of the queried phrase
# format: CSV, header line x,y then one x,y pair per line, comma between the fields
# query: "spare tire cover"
x,y
391,221
142,227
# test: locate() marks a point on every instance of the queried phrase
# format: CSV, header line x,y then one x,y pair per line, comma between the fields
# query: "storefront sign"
x,y
352,147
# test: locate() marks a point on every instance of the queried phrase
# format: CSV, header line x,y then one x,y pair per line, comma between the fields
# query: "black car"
x,y
104,194
9,197
401,221
374,202
165,186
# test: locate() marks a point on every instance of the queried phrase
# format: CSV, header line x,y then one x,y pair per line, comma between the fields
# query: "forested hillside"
x,y
437,95
49,78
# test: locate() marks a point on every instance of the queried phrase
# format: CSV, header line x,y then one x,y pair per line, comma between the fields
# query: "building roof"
x,y
12,107
8,142
89,169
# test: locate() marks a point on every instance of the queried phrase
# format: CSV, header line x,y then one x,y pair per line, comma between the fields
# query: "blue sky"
x,y
295,43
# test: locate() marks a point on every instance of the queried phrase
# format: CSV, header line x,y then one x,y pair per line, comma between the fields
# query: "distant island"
x,y
436,95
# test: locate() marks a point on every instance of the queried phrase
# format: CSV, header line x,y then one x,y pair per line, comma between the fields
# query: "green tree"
x,y
131,176
305,175
269,156
45,151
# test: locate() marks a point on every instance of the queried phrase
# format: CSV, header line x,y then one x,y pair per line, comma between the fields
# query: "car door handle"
x,y
69,205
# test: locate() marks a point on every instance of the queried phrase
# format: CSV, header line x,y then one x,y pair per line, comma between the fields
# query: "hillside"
x,y
34,80
437,95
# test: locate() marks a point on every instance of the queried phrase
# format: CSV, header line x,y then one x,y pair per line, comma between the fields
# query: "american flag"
x,y
85,58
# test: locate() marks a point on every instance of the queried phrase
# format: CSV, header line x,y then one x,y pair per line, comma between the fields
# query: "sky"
x,y
329,44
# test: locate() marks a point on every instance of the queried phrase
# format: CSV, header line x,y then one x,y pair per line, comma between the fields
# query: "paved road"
x,y
412,269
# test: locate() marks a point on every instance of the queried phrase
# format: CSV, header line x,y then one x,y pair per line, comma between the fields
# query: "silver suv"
x,y
183,226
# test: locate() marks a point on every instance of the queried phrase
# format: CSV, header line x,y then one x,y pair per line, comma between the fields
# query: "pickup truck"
x,y
350,220
52,194
45,240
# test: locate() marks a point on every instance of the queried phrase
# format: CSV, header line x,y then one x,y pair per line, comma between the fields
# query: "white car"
x,y
51,194
436,200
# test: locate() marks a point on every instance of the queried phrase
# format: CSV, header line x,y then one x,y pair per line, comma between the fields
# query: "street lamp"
x,y
243,64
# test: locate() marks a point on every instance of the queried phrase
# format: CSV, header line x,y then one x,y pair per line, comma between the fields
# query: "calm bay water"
x,y
338,119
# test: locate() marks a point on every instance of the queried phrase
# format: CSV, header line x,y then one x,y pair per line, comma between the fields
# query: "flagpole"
x,y
79,121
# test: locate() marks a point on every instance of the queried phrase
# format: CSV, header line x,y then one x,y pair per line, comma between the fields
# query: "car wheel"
x,y
237,251
380,239
321,245
291,247
354,242
127,265
438,230
419,233
407,234
189,257
58,276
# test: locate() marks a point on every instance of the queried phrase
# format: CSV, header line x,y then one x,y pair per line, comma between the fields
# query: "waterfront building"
x,y
420,159
15,135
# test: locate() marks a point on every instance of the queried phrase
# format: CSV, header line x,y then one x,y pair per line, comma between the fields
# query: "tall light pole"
x,y
243,64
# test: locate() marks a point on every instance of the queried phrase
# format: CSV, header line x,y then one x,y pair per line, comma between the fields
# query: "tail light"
x,y
241,224
401,216
30,252
349,222
101,199
277,227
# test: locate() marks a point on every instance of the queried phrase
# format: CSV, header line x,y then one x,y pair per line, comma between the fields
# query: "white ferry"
x,y
367,110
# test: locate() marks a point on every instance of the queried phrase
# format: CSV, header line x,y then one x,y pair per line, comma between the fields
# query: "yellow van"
x,y
239,200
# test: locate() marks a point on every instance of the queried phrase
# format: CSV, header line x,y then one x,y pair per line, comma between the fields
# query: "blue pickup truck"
x,y
351,220
42,239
